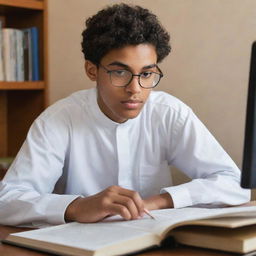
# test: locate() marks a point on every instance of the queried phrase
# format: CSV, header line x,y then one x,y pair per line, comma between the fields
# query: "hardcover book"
x,y
114,236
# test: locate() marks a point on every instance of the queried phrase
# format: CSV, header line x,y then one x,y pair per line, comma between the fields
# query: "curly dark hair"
x,y
120,25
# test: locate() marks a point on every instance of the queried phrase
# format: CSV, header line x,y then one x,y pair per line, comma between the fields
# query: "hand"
x,y
161,201
111,201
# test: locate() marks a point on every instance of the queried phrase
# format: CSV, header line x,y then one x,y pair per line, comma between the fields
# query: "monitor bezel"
x,y
248,179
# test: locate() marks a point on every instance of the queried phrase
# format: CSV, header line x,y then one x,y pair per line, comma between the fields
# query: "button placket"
x,y
124,157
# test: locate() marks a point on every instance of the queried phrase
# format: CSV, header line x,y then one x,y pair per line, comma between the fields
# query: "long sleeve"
x,y
215,177
26,191
67,153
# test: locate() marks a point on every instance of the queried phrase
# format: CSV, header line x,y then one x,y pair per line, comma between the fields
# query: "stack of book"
x,y
231,229
19,56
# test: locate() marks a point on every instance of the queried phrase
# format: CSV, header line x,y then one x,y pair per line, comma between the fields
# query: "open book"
x,y
115,236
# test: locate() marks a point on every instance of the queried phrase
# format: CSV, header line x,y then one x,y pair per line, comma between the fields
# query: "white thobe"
x,y
73,149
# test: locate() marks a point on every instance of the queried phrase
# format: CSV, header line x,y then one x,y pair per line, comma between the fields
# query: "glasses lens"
x,y
149,79
120,77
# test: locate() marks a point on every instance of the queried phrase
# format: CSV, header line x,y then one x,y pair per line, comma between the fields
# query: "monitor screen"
x,y
249,158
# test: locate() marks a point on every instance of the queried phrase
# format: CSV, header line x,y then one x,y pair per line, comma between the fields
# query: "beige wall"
x,y
208,67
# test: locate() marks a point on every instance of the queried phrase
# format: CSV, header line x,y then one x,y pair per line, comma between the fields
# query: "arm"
x,y
26,190
215,177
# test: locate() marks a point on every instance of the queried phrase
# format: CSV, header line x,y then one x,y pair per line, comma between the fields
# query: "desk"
x,y
10,250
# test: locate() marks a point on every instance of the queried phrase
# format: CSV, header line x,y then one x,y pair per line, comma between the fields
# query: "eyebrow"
x,y
120,64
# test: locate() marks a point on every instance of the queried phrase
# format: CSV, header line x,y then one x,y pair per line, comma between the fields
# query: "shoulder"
x,y
69,107
162,103
60,118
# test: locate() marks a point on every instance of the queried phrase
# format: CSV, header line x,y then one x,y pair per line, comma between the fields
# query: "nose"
x,y
134,87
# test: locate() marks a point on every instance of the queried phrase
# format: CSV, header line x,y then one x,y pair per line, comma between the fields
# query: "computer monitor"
x,y
249,157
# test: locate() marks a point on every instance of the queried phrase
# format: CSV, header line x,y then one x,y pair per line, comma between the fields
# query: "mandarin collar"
x,y
102,118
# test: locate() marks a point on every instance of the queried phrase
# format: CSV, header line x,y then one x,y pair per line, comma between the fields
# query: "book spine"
x,y
1,53
7,54
13,55
30,66
19,56
27,45
35,54
26,53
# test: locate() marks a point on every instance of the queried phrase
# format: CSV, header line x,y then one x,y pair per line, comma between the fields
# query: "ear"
x,y
91,70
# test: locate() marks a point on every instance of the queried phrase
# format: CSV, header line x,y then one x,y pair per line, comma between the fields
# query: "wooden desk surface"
x,y
10,250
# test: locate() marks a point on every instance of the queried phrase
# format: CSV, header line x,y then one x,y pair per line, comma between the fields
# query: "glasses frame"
x,y
133,75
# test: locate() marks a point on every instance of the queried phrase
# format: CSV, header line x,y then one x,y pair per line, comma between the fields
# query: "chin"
x,y
131,115
123,115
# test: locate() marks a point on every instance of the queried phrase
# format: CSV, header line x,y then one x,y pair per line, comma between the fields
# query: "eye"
x,y
146,74
119,73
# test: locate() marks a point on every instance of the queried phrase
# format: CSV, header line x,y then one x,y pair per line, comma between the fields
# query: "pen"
x,y
149,214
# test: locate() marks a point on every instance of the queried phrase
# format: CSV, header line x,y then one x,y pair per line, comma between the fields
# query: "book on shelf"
x,y
9,50
114,236
31,54
13,64
27,55
20,56
35,53
1,52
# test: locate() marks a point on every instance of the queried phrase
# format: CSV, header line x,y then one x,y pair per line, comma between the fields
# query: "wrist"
x,y
71,210
161,201
165,201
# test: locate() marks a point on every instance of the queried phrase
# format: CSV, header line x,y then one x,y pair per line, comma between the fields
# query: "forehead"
x,y
134,56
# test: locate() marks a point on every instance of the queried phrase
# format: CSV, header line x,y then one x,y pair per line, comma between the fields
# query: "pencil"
x,y
149,214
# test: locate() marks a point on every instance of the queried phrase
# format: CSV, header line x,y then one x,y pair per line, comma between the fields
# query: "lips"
x,y
132,104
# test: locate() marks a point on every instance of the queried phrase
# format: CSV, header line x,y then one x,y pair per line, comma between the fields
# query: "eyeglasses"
x,y
122,77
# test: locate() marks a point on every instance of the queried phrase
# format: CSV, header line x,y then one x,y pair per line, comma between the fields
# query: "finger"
x,y
139,203
128,203
118,209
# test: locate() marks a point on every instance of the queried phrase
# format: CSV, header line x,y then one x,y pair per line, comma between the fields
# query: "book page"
x,y
114,230
170,218
85,236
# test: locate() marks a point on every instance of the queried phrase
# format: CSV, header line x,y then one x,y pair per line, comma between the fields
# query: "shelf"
x,y
22,102
29,85
30,4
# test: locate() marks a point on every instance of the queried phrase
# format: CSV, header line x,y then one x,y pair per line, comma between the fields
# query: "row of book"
x,y
19,56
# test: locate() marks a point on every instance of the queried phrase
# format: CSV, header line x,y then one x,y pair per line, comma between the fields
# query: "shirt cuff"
x,y
57,207
180,196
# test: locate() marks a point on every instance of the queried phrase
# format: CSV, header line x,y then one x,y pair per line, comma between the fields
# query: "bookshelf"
x,y
22,102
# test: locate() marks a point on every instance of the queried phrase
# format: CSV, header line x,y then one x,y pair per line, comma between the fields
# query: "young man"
x,y
107,150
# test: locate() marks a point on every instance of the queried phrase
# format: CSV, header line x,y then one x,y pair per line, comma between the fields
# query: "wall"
x,y
208,67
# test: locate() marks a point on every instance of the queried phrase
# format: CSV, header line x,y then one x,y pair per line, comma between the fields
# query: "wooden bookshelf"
x,y
28,85
22,102
27,4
